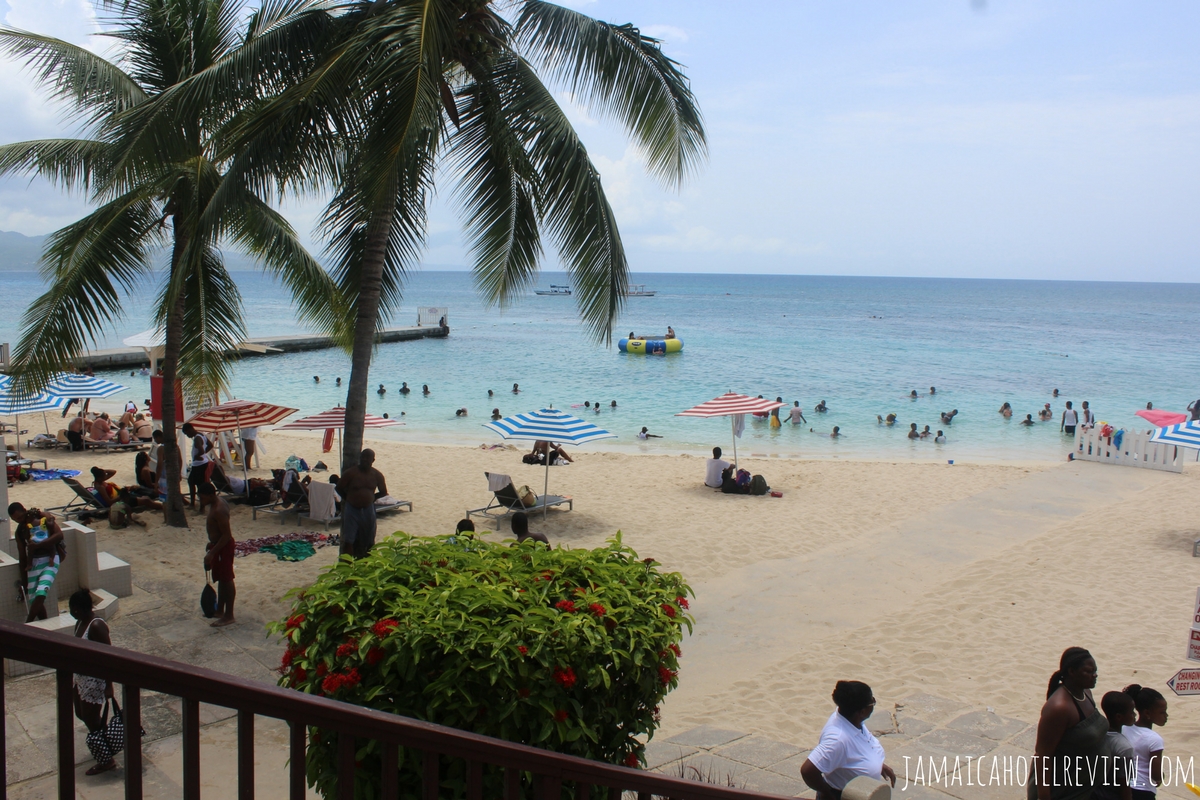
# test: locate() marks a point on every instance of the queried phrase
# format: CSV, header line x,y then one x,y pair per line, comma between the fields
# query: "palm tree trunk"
x,y
366,323
173,513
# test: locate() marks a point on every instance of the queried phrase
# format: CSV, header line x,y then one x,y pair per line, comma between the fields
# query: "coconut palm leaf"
x,y
72,164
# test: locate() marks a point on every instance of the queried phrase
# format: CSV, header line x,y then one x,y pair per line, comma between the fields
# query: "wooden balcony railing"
x,y
524,767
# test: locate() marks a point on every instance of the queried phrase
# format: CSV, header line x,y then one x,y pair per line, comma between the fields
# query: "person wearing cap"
x,y
1046,413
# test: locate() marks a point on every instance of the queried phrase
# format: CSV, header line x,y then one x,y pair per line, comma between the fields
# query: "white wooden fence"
x,y
1136,450
431,315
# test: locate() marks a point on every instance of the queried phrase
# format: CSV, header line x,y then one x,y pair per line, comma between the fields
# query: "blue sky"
x,y
1007,139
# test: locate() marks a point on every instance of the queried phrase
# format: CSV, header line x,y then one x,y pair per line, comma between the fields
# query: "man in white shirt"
x,y
713,469
198,473
796,416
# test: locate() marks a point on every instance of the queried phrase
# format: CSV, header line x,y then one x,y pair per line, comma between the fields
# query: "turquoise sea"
x,y
860,344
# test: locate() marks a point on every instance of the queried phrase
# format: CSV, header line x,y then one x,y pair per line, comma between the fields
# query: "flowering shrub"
x,y
570,650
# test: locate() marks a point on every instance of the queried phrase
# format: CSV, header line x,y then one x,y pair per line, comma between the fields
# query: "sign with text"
x,y
1186,681
1193,649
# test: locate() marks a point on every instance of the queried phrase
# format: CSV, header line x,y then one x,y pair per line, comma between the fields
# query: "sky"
x,y
998,139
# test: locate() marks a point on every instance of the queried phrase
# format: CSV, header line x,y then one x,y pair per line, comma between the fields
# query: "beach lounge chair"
x,y
83,501
505,500
322,504
113,446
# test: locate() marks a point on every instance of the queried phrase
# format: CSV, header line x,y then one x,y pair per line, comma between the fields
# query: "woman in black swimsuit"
x,y
1069,732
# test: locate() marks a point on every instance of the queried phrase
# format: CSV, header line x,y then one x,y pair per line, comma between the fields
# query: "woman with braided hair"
x,y
1069,733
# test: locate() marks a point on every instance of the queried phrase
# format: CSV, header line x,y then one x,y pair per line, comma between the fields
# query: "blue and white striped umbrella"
x,y
549,424
26,403
75,386
1185,434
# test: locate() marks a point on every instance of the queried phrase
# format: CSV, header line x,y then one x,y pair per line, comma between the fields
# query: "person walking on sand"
x,y
359,486
846,749
1070,419
90,694
220,552
1069,733
1147,745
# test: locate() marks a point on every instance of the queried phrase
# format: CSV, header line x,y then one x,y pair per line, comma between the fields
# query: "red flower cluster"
x,y
669,610
338,680
443,563
286,661
560,716
374,655
566,677
384,626
346,649
299,675
295,622
631,760
683,603
522,649
597,609
321,670
675,649
665,675
566,606
580,590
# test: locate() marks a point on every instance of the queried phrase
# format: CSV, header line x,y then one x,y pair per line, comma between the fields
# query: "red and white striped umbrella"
x,y
732,405
334,419
234,415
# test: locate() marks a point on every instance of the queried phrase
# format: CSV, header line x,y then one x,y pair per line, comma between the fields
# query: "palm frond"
x,y
212,318
85,264
69,163
624,74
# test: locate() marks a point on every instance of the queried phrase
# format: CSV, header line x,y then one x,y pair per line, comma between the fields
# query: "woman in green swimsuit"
x,y
1069,732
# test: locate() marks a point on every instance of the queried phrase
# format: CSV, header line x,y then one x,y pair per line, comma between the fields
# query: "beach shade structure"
x,y
1161,419
334,420
76,386
734,406
14,404
550,425
1184,434
233,415
154,340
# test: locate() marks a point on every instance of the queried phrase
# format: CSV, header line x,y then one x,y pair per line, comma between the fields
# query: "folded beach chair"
x,y
84,500
322,504
505,500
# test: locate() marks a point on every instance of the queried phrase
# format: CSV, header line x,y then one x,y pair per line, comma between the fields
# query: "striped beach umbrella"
x,y
76,386
18,403
234,415
734,406
335,420
1184,434
551,425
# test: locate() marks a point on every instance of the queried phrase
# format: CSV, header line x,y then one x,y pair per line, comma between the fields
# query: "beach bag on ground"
x,y
743,480
758,485
109,739
208,598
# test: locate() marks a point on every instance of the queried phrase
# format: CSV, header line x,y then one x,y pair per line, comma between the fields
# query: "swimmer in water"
x,y
890,421
913,394
516,389
404,388
338,381
381,390
821,408
912,431
496,413
1028,420
613,404
316,378
490,393
425,389
932,391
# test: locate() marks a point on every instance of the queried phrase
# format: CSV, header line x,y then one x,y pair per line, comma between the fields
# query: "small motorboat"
x,y
639,290
554,290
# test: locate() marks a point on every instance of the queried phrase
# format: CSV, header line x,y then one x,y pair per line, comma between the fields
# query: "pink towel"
x,y
1162,419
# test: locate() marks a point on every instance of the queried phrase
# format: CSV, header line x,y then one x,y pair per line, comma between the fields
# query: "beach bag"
x,y
527,495
758,485
743,479
109,739
260,496
118,515
531,458
293,462
208,598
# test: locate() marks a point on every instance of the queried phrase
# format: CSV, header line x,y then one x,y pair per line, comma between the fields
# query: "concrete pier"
x,y
127,357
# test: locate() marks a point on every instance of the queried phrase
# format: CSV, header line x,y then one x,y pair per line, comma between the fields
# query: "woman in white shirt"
x,y
1147,745
846,750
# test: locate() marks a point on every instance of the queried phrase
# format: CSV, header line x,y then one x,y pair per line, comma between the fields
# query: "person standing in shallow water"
x,y
1070,732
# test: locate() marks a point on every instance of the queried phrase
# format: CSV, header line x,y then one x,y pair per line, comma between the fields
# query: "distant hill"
x,y
19,253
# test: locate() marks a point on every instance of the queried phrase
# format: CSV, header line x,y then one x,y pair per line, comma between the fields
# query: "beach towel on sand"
x,y
295,550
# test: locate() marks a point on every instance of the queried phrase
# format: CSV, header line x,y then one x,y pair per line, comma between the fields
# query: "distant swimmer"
x,y
1149,406
890,421
316,378
949,417
613,404
461,412
425,388
338,381
932,391
385,415
1028,420
913,394
404,388
381,390
1056,393
796,416
587,403
670,332
925,434
1046,414
833,434
1006,410
490,393
496,414
645,433
516,389
820,407
912,431
940,438
596,407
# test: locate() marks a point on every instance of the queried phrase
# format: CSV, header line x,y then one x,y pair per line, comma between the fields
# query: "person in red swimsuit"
x,y
219,557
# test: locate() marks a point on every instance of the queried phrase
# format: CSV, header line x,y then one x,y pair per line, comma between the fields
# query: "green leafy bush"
x,y
570,650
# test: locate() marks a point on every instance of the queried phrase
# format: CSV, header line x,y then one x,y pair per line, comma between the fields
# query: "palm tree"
x,y
157,182
395,91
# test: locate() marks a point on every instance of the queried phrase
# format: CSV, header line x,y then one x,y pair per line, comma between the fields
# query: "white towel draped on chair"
x,y
322,502
496,482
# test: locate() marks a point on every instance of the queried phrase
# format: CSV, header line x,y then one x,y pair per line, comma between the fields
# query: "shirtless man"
x,y
359,487
219,557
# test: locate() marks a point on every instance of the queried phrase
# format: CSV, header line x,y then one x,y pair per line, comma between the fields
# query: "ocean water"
x,y
860,344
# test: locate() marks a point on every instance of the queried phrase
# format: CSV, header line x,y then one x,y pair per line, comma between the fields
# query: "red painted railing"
x,y
524,767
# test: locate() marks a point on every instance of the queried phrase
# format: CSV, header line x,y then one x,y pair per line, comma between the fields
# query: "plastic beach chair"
x,y
83,501
506,502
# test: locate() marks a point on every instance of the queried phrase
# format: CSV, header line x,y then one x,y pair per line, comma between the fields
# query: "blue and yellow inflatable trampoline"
x,y
650,347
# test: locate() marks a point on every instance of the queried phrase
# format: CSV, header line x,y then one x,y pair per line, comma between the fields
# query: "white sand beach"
x,y
964,582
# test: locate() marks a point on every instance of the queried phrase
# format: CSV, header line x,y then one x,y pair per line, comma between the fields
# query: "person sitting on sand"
x,y
549,450
219,552
713,469
795,415
1045,414
948,418
143,428
645,433
520,527
75,431
1071,730
1028,420
1006,410
820,407
846,749
496,414
940,438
